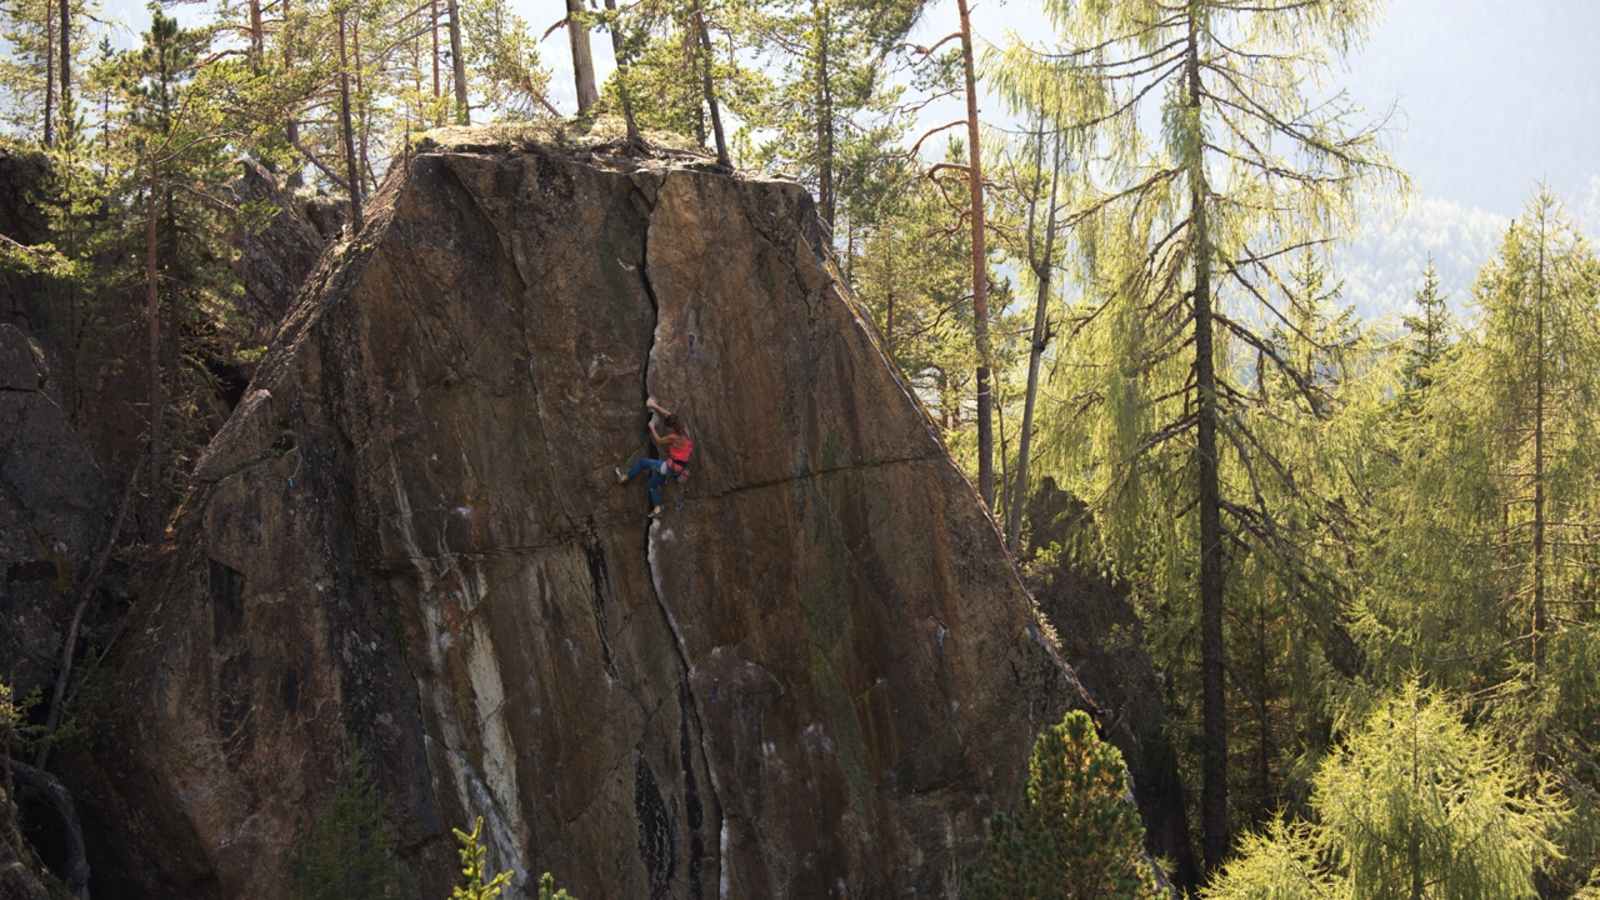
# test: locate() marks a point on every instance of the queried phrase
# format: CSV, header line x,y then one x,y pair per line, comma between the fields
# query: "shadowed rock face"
x,y
815,676
274,260
51,523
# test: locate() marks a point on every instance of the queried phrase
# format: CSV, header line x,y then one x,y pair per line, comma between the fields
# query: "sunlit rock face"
x,y
814,676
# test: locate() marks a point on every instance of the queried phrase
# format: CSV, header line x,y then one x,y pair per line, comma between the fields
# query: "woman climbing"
x,y
675,444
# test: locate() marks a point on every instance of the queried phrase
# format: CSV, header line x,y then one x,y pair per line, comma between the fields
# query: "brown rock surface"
x,y
814,677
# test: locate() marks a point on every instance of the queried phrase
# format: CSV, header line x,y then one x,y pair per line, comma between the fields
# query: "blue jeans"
x,y
653,466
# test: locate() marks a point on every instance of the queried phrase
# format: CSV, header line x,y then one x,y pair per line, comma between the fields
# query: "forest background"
x,y
1321,380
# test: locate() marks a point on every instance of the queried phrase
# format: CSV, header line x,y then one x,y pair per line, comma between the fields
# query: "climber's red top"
x,y
679,448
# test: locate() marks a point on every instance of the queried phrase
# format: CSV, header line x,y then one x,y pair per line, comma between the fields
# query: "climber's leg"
x,y
639,468
656,481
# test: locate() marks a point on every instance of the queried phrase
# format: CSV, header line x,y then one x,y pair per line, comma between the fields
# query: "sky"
x,y
1490,97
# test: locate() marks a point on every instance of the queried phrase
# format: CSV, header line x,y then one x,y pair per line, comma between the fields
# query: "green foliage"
x,y
665,66
548,891
349,851
475,869
1429,332
8,717
1415,804
503,56
1078,836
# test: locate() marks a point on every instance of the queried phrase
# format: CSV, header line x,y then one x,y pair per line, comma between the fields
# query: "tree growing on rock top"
x,y
1078,835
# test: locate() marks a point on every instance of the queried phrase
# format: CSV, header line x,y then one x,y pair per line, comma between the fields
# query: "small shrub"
x,y
349,852
475,869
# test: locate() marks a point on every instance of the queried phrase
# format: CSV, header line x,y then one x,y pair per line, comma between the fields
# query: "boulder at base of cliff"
x,y
816,675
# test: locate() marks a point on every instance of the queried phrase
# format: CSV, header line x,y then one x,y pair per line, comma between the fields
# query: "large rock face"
x,y
51,515
814,677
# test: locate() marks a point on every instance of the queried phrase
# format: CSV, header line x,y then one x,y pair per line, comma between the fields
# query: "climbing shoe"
x,y
622,477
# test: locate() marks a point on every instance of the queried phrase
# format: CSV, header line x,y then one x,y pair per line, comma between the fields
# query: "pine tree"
x,y
831,56
683,65
1078,836
39,101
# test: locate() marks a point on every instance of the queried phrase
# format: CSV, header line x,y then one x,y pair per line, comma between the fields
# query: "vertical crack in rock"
x,y
690,718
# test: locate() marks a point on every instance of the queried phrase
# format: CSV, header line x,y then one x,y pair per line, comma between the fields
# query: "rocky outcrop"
x,y
278,247
1102,636
24,177
815,676
52,515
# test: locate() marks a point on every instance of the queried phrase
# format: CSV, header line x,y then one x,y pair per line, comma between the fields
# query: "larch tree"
x,y
1414,805
1541,334
1031,201
1244,170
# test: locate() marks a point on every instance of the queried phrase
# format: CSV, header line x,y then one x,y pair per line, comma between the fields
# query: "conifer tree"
x,y
1245,171
1415,805
832,57
1428,330
1077,836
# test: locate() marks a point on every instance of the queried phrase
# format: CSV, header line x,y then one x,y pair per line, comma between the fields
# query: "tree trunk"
x,y
352,173
1042,273
50,73
582,61
1214,713
67,125
1538,455
433,18
888,315
1264,804
622,75
153,323
363,116
291,128
825,198
257,37
980,268
709,87
86,591
459,65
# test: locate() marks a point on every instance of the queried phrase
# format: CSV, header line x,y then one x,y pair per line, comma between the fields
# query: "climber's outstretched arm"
x,y
653,406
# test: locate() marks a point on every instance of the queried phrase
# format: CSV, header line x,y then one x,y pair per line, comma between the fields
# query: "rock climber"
x,y
675,445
